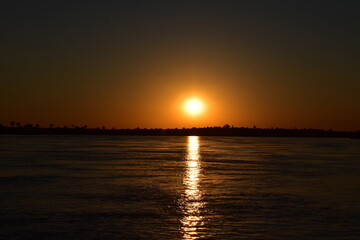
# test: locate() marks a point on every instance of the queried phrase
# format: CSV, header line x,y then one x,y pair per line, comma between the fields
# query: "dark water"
x,y
106,187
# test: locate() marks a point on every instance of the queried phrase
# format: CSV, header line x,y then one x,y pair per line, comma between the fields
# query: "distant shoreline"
x,y
208,131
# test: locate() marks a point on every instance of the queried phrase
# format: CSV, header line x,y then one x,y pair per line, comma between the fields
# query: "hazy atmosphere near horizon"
x,y
128,64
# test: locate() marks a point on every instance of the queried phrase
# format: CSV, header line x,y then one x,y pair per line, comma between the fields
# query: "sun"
x,y
194,106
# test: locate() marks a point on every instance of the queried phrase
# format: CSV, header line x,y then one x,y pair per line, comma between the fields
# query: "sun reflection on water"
x,y
192,202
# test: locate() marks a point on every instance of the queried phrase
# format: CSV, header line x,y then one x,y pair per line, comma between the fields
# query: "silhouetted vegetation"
x,y
226,130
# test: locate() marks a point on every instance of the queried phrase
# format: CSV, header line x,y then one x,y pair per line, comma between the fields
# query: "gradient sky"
x,y
129,64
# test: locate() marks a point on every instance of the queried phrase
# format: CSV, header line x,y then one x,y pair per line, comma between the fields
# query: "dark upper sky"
x,y
133,63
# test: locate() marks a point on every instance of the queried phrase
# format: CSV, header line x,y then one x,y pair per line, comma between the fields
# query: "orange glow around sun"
x,y
194,106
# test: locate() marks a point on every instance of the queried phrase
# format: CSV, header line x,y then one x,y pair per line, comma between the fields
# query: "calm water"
x,y
116,187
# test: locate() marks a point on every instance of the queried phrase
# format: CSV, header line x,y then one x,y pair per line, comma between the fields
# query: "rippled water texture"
x,y
117,187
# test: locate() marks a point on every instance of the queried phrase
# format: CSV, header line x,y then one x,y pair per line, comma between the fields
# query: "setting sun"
x,y
194,106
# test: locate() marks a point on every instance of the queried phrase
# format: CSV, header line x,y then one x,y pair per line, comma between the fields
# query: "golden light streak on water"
x,y
192,203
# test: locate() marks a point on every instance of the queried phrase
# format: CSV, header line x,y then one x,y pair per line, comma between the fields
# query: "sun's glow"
x,y
194,106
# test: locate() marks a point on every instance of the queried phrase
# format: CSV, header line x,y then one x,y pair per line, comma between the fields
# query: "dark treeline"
x,y
226,130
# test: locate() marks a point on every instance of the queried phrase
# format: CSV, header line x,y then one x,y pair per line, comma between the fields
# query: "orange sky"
x,y
128,65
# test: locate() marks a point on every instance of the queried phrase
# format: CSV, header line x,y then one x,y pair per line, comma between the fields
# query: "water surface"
x,y
133,187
